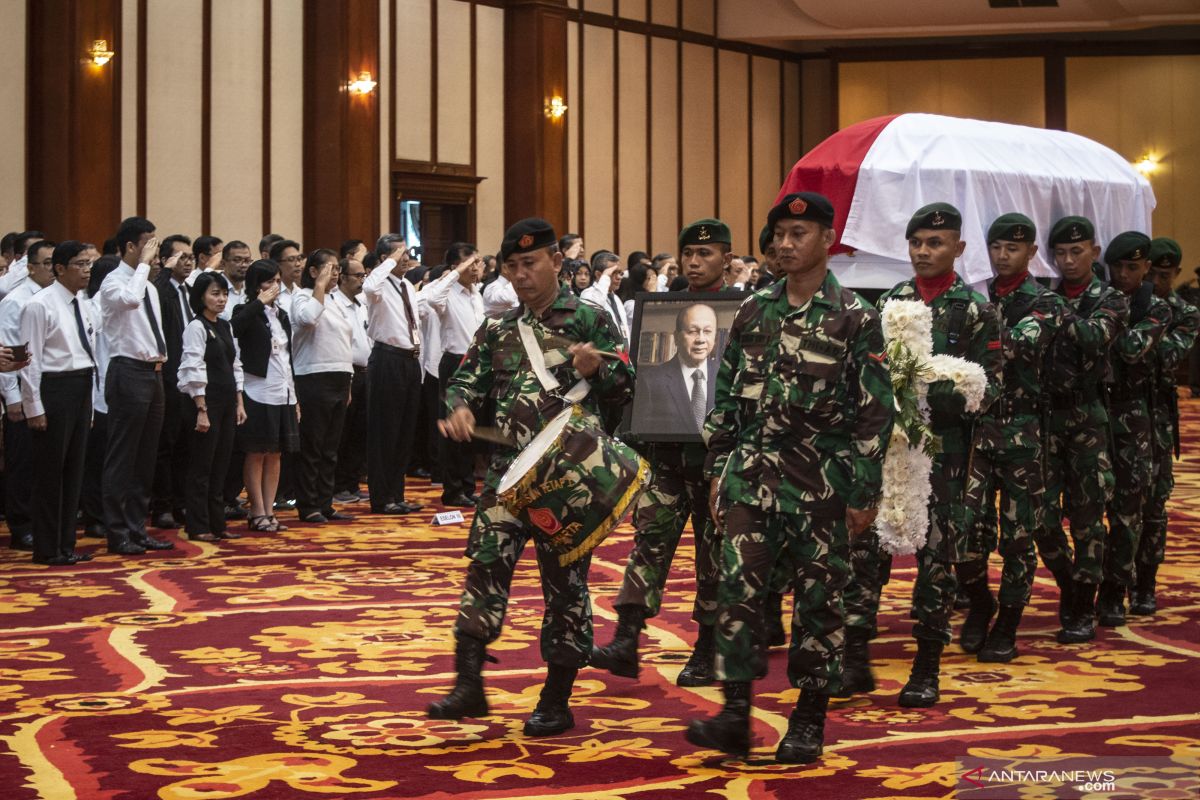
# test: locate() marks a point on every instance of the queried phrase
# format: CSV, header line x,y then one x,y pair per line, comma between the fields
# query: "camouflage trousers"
x,y
496,541
1132,469
1015,474
933,597
753,541
1079,483
675,492
1153,545
872,569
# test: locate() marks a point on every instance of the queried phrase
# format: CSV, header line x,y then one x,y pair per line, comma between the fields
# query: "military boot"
x,y
621,656
856,665
921,691
1066,595
1082,625
699,670
1110,607
975,626
961,600
1001,645
729,730
1143,603
773,617
466,699
553,713
802,744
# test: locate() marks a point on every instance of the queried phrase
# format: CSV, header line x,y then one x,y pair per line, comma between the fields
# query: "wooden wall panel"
x,y
699,121
600,6
127,51
387,89
664,150
795,100
766,132
237,169
816,77
699,16
631,144
664,12
574,100
489,91
287,118
12,134
414,73
454,82
733,154
632,9
598,146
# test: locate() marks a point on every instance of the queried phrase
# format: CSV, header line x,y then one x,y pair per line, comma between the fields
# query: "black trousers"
x,y
352,450
323,398
393,394
428,445
58,455
134,396
170,472
457,458
91,501
208,462
18,477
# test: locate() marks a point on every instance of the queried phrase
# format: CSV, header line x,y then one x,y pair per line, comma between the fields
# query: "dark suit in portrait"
x,y
662,401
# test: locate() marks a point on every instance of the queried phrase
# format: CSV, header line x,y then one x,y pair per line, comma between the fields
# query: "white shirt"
x,y
286,296
499,297
687,377
193,370
17,272
360,343
598,295
277,388
431,344
10,333
191,278
322,335
123,314
99,404
460,313
237,297
48,323
387,318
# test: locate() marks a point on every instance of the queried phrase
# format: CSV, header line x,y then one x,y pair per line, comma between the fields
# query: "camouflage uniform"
x,y
1134,364
497,367
964,325
1079,479
1173,349
803,415
1008,449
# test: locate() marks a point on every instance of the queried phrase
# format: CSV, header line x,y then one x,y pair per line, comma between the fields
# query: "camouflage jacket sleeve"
x,y
1177,341
1143,336
874,414
721,427
1095,333
1027,340
613,383
472,381
987,350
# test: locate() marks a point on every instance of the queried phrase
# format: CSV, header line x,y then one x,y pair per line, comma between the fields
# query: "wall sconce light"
x,y
98,53
555,108
1147,164
363,84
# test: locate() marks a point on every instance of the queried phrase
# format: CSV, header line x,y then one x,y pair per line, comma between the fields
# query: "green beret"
x,y
531,233
705,231
765,237
802,205
1165,253
1069,230
934,217
1012,227
1127,246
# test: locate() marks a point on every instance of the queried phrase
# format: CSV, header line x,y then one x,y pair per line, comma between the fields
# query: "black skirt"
x,y
268,428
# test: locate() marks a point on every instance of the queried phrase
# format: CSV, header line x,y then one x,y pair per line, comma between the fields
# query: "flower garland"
x,y
903,520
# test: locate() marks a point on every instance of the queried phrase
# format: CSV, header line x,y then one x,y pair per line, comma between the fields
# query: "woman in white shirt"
x,y
264,336
322,347
210,373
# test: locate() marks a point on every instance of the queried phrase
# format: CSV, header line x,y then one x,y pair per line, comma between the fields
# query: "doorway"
x,y
433,207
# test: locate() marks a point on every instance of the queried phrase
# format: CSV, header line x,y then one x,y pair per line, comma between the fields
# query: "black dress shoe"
x,y
458,500
94,530
54,561
165,521
285,505
235,512
337,516
125,548
150,543
399,508
22,541
80,558
314,518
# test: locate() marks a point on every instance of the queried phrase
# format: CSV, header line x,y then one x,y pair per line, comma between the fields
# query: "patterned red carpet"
x,y
298,665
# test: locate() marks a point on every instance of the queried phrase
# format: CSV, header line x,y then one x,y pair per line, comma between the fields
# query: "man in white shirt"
x,y
290,259
18,447
167,500
603,291
352,460
499,296
235,260
56,392
206,251
18,267
132,320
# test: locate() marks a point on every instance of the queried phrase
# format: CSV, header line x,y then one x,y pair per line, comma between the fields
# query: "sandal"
x,y
262,524
278,526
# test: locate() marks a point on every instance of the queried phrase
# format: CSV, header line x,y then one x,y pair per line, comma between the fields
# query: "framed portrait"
x,y
676,347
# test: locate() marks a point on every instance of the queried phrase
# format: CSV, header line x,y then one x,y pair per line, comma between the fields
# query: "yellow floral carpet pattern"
x,y
299,665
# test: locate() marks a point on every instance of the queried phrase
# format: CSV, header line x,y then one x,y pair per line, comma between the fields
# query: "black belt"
x,y
86,372
400,351
149,366
1062,401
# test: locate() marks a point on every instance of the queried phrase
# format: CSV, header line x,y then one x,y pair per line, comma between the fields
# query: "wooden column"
x,y
535,152
341,129
73,123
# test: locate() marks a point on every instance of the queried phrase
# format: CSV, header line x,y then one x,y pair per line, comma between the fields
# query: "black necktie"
x,y
158,340
83,338
187,307
699,398
408,312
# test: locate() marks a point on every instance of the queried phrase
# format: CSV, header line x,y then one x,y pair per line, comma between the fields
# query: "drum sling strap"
x,y
537,361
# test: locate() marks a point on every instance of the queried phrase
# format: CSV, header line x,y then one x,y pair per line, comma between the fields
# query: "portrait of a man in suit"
x,y
675,396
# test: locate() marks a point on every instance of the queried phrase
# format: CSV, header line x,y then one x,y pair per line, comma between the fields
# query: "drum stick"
x,y
486,434
562,341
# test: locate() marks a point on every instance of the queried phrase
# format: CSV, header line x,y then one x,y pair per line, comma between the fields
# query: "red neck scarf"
x,y
932,288
1074,291
1006,286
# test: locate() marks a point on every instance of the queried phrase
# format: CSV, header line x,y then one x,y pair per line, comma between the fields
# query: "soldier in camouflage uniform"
x,y
796,442
497,366
1008,447
964,325
1079,479
1173,349
1130,395
678,490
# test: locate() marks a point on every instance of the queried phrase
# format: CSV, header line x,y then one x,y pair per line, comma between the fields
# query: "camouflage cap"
x,y
934,217
705,231
1072,229
802,205
531,233
1165,253
1127,246
1012,227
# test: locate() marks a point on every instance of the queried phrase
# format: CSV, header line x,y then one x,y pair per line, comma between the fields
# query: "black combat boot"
x,y
921,691
983,608
621,656
466,699
961,600
1001,645
1081,627
699,670
805,735
773,618
553,713
1110,607
856,665
1143,603
1066,595
728,731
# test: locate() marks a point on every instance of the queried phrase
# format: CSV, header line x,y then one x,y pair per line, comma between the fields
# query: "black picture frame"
x,y
652,344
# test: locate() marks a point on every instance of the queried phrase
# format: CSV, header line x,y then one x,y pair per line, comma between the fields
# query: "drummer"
x,y
498,366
